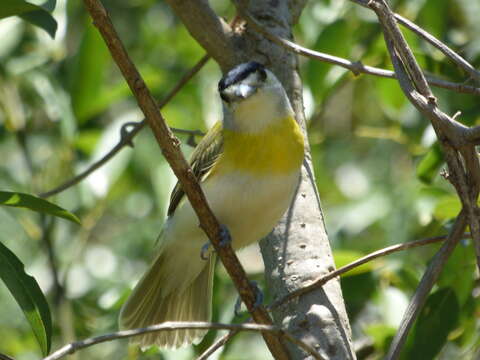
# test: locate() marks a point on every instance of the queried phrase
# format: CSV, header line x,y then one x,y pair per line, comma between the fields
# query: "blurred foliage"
x,y
62,104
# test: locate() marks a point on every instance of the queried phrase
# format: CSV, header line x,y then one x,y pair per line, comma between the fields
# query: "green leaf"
x,y
15,8
458,273
41,19
331,40
381,335
37,15
447,207
16,199
88,73
28,295
438,317
432,15
428,167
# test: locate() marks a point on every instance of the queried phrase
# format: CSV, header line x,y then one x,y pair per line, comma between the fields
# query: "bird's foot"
x,y
258,298
225,239
205,251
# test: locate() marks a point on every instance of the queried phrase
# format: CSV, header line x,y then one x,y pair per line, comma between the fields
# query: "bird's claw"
x,y
204,253
225,239
258,298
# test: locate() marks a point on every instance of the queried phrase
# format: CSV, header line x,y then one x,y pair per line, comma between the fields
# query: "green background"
x,y
62,104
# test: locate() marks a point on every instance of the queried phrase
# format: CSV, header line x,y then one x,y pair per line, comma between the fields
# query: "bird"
x,y
248,166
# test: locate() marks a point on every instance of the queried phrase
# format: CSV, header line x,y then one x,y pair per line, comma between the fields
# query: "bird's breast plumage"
x,y
253,181
278,149
250,186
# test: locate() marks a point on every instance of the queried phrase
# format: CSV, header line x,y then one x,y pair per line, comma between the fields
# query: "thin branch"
x,y
217,344
470,157
172,325
210,30
356,67
322,280
127,136
456,58
391,30
170,147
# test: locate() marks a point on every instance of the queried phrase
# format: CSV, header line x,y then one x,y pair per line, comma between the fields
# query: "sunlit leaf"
x,y
34,203
447,207
28,295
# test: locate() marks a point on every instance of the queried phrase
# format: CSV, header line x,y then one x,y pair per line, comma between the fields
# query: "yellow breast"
x,y
277,149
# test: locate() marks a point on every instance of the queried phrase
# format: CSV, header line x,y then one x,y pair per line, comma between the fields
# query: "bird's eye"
x,y
262,74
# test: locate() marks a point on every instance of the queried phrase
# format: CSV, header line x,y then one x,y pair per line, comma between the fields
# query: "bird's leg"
x,y
258,298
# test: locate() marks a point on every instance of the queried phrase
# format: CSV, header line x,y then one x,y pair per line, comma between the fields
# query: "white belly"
x,y
250,206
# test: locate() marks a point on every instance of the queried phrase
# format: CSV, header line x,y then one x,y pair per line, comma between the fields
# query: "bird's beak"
x,y
237,92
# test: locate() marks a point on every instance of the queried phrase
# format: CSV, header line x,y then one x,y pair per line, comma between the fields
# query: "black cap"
x,y
240,72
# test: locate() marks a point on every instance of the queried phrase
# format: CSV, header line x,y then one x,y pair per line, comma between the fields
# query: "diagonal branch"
x,y
170,147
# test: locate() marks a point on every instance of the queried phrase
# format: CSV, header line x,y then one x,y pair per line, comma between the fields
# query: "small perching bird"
x,y
249,168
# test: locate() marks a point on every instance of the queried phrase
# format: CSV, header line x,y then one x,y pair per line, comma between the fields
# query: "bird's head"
x,y
253,98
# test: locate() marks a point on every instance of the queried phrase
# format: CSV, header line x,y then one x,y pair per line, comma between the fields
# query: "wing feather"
x,y
201,161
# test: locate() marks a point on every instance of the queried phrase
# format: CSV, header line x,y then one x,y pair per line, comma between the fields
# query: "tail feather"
x,y
154,300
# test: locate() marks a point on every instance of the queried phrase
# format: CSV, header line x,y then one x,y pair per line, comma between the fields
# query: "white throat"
x,y
259,111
